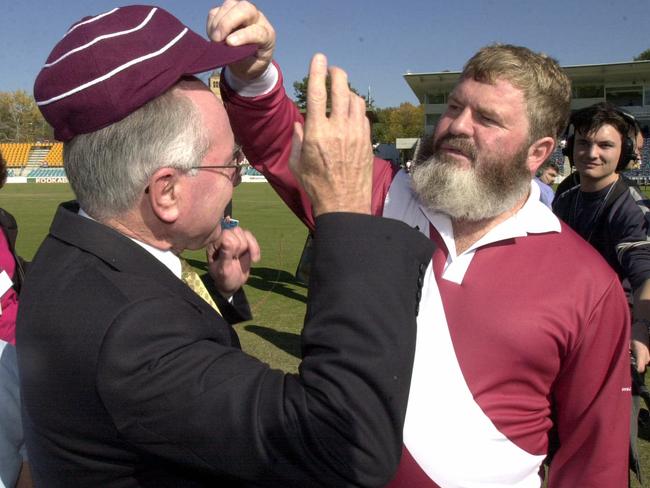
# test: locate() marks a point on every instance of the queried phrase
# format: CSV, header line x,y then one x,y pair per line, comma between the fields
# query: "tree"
x,y
407,120
300,93
644,56
20,119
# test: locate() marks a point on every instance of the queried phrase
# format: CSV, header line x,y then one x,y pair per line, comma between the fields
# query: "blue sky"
x,y
376,42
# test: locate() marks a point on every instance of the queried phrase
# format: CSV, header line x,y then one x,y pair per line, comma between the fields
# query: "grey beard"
x,y
485,191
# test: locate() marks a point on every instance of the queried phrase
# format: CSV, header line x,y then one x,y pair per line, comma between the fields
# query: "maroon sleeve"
x,y
592,401
263,126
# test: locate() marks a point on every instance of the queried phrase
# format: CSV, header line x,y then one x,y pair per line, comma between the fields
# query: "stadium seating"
x,y
15,153
642,175
27,154
250,171
46,173
557,157
54,158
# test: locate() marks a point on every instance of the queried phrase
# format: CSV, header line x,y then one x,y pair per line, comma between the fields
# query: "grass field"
x,y
277,299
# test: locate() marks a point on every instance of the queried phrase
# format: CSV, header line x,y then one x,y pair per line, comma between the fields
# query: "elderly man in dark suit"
x,y
129,377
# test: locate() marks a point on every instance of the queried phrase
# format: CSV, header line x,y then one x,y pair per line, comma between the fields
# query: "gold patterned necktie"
x,y
191,278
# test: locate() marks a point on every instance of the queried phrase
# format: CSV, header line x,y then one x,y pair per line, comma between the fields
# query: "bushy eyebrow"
x,y
483,111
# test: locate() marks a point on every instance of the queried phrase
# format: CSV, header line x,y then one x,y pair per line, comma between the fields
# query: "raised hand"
x,y
230,259
332,156
239,22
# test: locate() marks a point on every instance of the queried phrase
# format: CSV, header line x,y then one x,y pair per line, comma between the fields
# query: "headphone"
x,y
628,148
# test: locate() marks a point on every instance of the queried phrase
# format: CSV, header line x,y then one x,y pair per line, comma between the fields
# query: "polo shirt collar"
x,y
533,218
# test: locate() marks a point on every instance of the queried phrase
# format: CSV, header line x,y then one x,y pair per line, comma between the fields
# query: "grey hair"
x,y
110,168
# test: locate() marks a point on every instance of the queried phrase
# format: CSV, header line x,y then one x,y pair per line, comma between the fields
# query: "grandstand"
x,y
46,173
23,158
16,154
54,157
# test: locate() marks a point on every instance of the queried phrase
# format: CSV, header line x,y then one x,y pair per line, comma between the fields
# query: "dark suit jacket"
x,y
130,379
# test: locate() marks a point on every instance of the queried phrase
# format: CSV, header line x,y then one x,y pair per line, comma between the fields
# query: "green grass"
x,y
277,299
33,206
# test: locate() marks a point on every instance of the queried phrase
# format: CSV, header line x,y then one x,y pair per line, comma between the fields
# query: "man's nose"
x,y
461,125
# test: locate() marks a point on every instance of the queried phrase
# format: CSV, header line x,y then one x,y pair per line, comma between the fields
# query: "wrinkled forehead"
x,y
500,90
498,98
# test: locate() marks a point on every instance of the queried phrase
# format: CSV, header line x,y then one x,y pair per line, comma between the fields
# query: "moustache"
x,y
460,144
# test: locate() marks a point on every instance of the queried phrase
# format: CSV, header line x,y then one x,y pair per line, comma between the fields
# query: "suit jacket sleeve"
x,y
263,125
176,392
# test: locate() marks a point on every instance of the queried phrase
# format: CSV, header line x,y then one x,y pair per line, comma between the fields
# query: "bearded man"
x,y
501,378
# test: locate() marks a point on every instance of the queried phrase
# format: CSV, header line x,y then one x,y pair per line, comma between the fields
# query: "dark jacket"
x,y
620,233
130,379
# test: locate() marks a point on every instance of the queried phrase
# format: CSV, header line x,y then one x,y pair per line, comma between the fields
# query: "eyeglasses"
x,y
238,161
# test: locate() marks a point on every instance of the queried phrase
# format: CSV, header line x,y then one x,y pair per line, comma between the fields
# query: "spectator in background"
x,y
129,376
14,468
498,371
548,172
609,212
544,178
638,150
636,135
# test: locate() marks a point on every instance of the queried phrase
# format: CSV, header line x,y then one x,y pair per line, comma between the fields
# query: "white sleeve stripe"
x,y
104,37
624,247
114,72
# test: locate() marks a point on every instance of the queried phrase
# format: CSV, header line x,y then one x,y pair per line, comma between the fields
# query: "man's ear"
x,y
538,152
163,193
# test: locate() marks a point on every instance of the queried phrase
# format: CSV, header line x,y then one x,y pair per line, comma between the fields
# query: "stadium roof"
x,y
629,72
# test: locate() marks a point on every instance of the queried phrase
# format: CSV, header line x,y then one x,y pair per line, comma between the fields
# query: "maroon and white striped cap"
x,y
108,66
